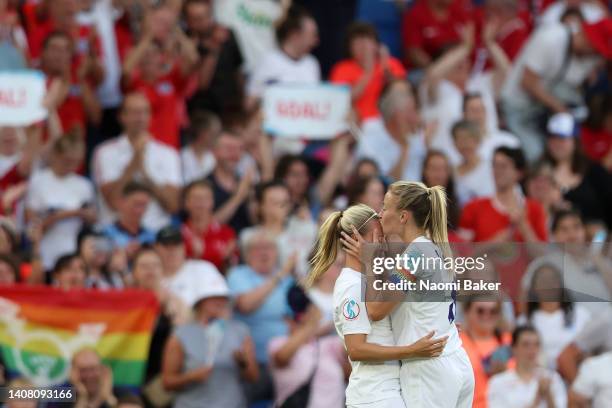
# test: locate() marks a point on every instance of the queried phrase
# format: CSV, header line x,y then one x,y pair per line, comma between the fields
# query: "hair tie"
x,y
341,213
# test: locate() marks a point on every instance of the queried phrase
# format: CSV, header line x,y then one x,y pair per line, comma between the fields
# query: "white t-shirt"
x,y
369,382
591,12
103,16
544,54
418,314
278,68
492,140
477,183
508,390
252,21
47,193
162,164
447,108
554,334
377,144
594,380
194,167
184,284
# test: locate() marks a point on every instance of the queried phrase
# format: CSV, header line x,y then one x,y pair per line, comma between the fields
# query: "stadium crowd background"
x,y
153,171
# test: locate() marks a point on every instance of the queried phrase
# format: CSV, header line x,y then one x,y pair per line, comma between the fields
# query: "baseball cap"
x,y
169,235
599,35
561,125
211,284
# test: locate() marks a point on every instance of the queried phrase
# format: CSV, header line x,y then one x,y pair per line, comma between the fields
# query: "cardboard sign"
x,y
306,111
21,97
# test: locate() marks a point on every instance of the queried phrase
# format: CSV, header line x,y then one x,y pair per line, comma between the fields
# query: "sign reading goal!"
x,y
306,111
21,97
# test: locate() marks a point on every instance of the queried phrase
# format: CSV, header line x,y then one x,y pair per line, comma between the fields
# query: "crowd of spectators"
x,y
153,171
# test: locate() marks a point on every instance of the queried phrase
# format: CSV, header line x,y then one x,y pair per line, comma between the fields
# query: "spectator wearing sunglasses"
x,y
484,342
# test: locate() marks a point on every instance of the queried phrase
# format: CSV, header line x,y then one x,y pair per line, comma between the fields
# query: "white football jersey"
x,y
425,310
369,381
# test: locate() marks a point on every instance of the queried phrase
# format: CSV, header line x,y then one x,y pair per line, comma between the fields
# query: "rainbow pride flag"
x,y
42,327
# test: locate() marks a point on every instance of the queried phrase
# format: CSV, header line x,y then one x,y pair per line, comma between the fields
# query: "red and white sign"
x,y
21,98
306,111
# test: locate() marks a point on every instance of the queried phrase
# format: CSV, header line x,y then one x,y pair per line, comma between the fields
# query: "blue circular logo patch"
x,y
350,309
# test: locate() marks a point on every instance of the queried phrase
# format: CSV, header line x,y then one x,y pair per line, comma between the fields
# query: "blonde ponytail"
x,y
428,208
437,225
326,248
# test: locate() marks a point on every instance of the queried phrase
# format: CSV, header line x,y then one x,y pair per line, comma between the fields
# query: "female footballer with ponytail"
x,y
417,214
374,355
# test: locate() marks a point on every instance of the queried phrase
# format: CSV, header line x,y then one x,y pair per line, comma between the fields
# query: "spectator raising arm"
x,y
448,62
335,169
501,61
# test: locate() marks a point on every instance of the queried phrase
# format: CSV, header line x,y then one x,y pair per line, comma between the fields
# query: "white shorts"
x,y
397,402
442,382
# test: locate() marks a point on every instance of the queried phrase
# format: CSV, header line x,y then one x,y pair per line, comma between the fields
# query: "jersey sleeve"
x,y
353,316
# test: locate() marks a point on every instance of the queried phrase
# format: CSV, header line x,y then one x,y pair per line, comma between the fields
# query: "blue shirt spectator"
x,y
260,291
128,232
267,321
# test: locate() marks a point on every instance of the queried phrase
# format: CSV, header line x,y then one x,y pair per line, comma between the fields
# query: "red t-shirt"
x,y
216,242
421,29
165,96
350,72
485,219
71,112
596,143
511,36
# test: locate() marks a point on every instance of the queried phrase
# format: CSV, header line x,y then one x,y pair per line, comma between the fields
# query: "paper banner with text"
x,y
308,111
21,97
